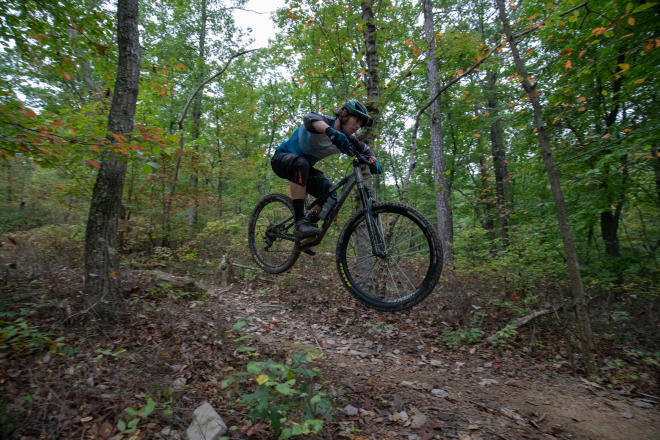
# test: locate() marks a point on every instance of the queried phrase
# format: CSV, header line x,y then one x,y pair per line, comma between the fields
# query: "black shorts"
x,y
297,169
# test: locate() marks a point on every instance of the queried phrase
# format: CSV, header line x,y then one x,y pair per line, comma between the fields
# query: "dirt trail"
x,y
405,384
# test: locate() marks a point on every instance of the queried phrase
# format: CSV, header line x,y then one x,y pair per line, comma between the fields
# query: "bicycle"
x,y
388,255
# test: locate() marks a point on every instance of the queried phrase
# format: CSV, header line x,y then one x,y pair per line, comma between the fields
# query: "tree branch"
x,y
199,87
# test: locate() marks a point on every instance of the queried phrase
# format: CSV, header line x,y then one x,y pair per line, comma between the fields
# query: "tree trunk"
x,y
502,185
220,160
373,103
609,225
196,122
486,202
442,200
577,288
102,281
609,220
656,170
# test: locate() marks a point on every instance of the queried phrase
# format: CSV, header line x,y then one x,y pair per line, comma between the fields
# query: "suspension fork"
x,y
373,225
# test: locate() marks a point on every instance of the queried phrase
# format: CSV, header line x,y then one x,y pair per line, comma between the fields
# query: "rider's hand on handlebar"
x,y
374,166
340,140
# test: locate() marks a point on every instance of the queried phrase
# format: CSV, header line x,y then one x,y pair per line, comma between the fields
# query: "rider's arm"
x,y
315,122
361,147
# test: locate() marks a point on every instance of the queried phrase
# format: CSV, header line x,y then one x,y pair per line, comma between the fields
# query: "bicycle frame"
x,y
347,184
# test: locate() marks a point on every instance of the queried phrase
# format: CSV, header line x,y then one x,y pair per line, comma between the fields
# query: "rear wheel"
x,y
405,273
271,235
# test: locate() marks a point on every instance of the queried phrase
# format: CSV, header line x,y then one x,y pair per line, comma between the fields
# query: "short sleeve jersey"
x,y
313,146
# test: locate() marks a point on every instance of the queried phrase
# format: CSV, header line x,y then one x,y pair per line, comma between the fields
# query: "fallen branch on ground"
x,y
522,321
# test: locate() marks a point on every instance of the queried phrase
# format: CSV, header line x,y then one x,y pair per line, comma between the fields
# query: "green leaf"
x,y
240,324
285,388
254,367
133,424
643,7
245,348
228,381
148,408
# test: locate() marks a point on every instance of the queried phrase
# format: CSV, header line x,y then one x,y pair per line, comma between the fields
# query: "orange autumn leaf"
x,y
477,135
581,99
640,81
92,163
475,117
623,67
66,75
581,109
627,130
608,135
529,51
568,64
631,21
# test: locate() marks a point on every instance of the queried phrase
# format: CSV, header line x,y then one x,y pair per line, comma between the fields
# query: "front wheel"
x,y
271,234
408,269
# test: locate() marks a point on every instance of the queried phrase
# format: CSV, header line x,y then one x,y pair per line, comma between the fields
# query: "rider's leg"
x,y
318,185
304,227
296,169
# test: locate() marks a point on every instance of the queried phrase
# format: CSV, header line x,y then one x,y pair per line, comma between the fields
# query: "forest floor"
x,y
389,375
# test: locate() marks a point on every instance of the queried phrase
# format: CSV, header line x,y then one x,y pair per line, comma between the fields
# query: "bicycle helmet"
x,y
356,108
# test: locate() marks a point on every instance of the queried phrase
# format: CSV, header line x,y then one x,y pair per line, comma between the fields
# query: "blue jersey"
x,y
313,146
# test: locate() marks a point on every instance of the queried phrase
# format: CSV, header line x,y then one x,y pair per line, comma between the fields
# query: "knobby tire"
x,y
409,271
282,253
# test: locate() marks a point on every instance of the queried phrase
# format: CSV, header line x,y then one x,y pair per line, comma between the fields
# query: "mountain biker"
x,y
319,137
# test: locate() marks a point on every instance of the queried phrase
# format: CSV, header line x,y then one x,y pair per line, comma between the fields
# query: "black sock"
x,y
298,208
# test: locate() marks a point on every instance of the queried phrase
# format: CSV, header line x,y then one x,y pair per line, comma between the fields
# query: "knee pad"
x,y
300,173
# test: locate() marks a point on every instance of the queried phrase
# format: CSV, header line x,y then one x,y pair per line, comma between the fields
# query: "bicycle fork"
x,y
378,246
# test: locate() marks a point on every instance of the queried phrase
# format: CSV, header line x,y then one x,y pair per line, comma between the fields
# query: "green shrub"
x,y
220,237
19,335
285,395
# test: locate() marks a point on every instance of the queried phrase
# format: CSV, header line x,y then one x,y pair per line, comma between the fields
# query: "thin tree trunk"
x,y
577,288
373,103
102,281
656,170
179,124
486,202
609,219
196,122
442,196
502,184
220,160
